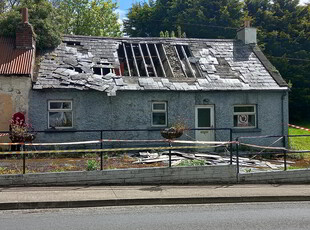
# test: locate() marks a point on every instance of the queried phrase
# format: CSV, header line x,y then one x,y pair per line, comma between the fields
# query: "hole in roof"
x,y
78,69
73,43
97,70
105,71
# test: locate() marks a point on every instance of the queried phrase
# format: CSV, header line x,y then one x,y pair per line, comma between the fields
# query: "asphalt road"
x,y
212,216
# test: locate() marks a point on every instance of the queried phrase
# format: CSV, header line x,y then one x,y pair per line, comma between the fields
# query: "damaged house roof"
x,y
181,64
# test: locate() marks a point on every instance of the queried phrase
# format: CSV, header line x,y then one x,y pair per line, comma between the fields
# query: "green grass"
x,y
294,167
300,143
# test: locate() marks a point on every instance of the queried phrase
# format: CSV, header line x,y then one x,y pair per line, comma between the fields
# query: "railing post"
x,y
170,154
237,156
101,153
24,158
285,155
230,146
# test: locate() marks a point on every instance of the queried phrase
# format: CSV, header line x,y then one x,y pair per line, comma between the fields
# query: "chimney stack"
x,y
247,34
25,37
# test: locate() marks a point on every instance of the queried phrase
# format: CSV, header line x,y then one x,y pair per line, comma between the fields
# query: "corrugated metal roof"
x,y
14,61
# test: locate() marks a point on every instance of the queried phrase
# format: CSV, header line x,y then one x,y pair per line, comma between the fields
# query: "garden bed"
x,y
36,165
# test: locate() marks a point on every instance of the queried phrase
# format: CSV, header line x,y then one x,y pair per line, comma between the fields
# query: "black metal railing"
x,y
168,144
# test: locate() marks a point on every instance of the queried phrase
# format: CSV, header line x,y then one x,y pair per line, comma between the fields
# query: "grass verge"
x,y
300,143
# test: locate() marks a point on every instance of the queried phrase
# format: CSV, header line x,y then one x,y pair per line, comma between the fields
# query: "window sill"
x,y
246,130
60,130
156,128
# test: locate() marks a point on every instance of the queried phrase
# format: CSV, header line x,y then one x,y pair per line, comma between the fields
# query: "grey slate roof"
x,y
222,65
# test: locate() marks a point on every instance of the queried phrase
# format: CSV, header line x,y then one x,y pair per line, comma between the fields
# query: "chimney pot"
x,y
25,15
247,23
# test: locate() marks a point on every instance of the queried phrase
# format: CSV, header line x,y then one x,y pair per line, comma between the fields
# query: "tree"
x,y
139,22
96,17
43,17
50,21
284,35
198,18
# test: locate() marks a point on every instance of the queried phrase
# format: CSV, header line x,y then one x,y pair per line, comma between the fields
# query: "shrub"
x,y
193,163
92,165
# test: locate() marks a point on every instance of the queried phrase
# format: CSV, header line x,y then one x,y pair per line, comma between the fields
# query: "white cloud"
x,y
303,2
122,16
122,13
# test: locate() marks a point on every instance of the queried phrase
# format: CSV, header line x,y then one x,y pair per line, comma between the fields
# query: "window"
x,y
60,114
159,114
245,116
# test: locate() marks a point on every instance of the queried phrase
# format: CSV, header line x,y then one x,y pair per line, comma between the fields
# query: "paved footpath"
x,y
94,196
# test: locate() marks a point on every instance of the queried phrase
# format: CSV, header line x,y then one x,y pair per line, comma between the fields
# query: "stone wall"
x,y
14,93
278,177
175,175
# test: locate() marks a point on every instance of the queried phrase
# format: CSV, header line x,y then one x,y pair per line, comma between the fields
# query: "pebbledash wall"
x,y
276,177
14,95
177,175
132,110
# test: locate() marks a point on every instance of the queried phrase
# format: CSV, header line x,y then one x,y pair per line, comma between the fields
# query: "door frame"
x,y
212,117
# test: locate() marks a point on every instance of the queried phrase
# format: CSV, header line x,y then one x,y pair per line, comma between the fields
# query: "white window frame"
x,y
245,113
58,110
159,111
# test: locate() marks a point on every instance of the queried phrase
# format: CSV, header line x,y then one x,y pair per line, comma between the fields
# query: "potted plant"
x,y
174,131
20,130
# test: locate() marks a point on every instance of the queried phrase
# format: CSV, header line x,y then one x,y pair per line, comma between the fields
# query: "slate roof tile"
x,y
222,64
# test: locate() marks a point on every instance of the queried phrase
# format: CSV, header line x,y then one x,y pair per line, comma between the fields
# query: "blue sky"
x,y
124,5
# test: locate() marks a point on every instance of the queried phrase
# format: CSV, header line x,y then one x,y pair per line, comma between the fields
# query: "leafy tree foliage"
x,y
96,17
43,18
197,18
284,35
50,19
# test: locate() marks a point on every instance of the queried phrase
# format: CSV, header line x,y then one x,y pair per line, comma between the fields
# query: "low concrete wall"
x,y
276,177
176,175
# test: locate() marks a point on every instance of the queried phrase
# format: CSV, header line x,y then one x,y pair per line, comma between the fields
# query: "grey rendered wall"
x,y
132,110
179,175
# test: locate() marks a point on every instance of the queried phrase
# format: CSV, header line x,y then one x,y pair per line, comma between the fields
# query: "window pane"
x,y
159,106
60,105
252,120
243,109
159,119
60,119
244,120
66,105
55,105
204,117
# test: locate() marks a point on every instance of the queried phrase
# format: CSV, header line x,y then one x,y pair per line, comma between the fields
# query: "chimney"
x,y
247,34
25,15
25,37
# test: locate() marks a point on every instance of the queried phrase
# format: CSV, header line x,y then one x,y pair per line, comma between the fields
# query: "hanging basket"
x,y
171,133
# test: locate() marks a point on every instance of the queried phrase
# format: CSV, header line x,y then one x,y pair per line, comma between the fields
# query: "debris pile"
x,y
246,164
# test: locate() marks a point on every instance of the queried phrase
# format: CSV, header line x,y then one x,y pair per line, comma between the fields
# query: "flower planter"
x,y
171,133
27,138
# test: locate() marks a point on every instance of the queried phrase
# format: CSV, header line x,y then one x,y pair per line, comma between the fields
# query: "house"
x,y
17,57
149,83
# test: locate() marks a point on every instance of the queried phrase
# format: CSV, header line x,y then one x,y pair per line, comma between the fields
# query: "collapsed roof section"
x,y
111,64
